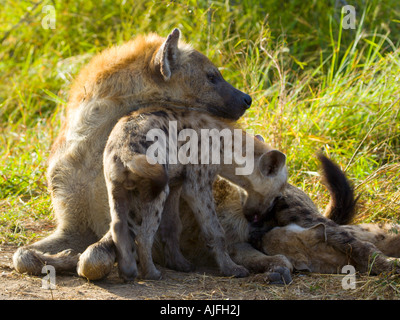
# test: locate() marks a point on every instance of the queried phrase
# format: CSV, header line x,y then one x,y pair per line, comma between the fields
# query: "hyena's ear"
x,y
271,163
166,57
259,137
317,233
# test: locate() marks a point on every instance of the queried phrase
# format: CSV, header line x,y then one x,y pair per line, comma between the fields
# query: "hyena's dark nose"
x,y
247,100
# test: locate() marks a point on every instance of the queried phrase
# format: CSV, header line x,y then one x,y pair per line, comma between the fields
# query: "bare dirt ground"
x,y
201,285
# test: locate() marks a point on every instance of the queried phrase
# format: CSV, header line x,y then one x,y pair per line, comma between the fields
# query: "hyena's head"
x,y
268,181
192,79
152,69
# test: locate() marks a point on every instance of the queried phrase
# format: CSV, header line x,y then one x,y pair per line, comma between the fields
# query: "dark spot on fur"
x,y
183,114
307,221
132,234
345,238
110,147
145,144
132,215
380,237
134,146
281,205
160,113
165,129
304,212
137,219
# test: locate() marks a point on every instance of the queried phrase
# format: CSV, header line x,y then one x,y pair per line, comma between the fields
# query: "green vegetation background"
x,y
315,87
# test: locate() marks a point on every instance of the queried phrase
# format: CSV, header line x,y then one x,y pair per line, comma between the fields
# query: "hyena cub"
x,y
145,180
313,242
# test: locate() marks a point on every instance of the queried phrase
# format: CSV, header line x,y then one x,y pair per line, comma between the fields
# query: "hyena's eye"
x,y
212,78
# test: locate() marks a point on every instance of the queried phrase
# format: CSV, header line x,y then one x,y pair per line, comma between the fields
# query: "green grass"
x,y
315,86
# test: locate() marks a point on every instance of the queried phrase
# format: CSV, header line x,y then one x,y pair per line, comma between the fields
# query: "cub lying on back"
x,y
145,180
309,250
317,244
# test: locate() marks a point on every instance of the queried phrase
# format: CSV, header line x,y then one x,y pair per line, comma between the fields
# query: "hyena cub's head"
x,y
268,181
189,78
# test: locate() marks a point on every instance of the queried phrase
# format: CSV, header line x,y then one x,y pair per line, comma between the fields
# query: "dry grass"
x,y
203,285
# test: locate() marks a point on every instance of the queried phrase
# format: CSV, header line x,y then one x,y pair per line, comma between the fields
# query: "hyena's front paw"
x,y
180,264
96,262
236,271
280,275
153,274
127,271
381,264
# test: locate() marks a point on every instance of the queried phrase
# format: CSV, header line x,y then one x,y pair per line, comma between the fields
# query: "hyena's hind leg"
x,y
145,222
121,233
385,236
212,231
137,191
170,230
98,259
365,254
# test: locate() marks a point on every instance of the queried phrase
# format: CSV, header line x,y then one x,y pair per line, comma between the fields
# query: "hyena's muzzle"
x,y
235,102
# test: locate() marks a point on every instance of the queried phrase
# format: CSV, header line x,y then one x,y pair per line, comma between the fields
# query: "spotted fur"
x,y
317,243
138,190
146,70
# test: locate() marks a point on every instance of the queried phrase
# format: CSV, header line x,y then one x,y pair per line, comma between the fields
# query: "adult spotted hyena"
x,y
149,69
145,179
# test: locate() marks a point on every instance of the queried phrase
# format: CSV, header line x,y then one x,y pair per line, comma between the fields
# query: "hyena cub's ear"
x,y
271,163
166,57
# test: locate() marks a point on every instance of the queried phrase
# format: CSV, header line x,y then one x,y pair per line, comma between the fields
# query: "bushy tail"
x,y
342,206
149,178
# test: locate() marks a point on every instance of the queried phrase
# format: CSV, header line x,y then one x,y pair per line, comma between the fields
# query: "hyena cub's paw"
x,y
127,271
181,264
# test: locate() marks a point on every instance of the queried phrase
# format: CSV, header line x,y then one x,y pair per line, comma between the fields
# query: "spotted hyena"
x,y
147,70
293,227
145,183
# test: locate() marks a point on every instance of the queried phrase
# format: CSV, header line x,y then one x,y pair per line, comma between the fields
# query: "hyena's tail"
x,y
342,206
149,178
